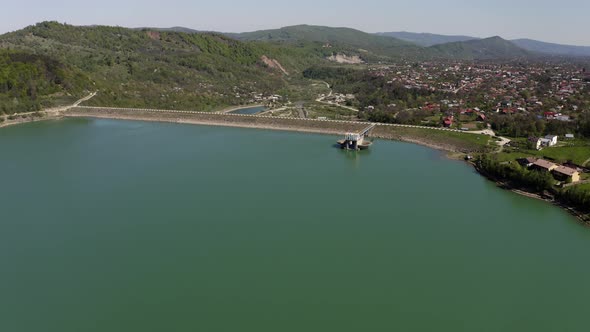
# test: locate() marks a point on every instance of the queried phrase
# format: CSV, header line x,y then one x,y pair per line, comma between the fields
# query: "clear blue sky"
x,y
564,21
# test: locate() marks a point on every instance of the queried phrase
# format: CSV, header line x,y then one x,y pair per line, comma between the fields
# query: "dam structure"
x,y
356,141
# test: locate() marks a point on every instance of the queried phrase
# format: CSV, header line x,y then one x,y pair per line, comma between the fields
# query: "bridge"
x,y
356,141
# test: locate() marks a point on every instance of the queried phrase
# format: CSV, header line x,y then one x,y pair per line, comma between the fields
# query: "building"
x,y
448,121
527,162
543,165
549,141
566,174
535,143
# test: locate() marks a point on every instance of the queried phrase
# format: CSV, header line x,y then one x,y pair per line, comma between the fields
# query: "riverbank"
x,y
42,115
503,184
29,118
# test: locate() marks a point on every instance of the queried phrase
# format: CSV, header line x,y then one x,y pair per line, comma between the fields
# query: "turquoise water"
x,y
249,110
132,226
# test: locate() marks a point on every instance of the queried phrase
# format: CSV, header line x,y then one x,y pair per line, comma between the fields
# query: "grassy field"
x,y
576,154
316,110
448,140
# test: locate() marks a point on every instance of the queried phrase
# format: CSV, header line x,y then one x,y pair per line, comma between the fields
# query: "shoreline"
x,y
279,124
582,217
45,117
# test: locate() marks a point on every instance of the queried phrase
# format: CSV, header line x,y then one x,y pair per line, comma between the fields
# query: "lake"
x,y
128,226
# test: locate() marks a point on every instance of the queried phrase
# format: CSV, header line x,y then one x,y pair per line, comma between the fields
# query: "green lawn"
x,y
462,141
585,186
316,110
576,154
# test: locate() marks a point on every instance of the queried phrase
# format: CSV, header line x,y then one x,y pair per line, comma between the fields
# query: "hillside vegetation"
x,y
425,39
29,82
183,69
146,68
480,49
339,39
551,48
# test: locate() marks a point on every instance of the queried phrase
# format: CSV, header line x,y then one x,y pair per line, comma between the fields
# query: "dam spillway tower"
x,y
356,141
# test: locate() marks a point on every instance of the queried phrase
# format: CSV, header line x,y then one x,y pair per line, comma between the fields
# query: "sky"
x,y
564,21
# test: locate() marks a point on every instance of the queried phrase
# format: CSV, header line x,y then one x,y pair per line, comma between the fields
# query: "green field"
x,y
457,140
576,154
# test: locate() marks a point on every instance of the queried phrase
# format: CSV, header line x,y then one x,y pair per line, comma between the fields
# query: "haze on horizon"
x,y
564,22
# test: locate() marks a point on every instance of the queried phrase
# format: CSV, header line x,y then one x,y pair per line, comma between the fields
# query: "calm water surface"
x,y
249,110
132,226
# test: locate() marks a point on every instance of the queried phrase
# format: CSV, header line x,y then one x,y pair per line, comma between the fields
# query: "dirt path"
x,y
51,112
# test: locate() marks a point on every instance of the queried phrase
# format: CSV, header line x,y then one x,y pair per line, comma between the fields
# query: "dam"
x,y
356,141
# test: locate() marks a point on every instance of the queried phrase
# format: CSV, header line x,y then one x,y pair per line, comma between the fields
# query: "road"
x,y
57,110
322,100
301,110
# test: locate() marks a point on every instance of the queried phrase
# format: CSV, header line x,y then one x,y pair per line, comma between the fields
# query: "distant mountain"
x,y
480,49
429,39
335,37
550,48
425,39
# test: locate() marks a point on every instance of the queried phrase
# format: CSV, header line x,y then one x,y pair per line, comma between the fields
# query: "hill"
x,y
553,49
425,39
480,49
29,82
345,39
147,68
535,46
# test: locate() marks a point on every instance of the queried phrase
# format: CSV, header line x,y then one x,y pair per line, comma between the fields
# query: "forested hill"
x,y
29,82
425,39
138,68
480,49
345,39
374,46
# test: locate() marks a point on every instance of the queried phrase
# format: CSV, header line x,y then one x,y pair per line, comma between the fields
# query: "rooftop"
x,y
566,170
544,164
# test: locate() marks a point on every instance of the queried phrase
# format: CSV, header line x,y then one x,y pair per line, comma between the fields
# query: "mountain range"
x,y
403,44
429,39
425,39
366,45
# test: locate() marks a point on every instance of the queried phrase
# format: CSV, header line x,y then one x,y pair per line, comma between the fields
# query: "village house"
x,y
535,143
448,121
566,174
527,162
543,165
549,140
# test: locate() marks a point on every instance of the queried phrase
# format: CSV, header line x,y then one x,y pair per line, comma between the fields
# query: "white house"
x,y
535,143
550,140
